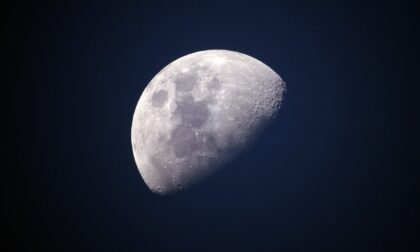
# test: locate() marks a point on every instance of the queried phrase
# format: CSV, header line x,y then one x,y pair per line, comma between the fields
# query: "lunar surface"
x,y
198,113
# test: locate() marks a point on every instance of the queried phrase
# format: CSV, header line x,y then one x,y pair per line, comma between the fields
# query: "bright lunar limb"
x,y
199,112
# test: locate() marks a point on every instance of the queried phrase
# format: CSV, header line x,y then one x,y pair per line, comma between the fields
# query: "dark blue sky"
x,y
335,172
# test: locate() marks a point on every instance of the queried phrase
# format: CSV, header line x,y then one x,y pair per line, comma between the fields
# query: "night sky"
x,y
334,172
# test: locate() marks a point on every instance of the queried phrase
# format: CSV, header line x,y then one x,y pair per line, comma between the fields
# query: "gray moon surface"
x,y
198,113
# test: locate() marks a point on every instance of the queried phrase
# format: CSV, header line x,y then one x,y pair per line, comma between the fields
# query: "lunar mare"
x,y
198,113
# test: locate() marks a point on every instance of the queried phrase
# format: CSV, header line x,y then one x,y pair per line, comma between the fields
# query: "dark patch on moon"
x,y
159,98
210,144
186,81
214,84
183,141
192,113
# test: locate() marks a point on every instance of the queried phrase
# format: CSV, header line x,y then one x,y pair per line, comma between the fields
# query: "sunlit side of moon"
x,y
198,113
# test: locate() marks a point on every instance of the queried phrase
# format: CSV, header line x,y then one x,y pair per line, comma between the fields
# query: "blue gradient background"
x,y
335,171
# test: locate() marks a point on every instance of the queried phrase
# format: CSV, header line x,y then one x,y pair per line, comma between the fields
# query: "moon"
x,y
198,113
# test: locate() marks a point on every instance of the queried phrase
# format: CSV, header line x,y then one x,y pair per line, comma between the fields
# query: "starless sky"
x,y
335,172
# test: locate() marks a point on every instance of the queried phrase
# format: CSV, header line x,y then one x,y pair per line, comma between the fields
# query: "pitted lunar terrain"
x,y
198,113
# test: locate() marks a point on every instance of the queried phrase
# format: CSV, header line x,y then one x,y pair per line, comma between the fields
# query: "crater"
x,y
165,175
159,98
192,113
183,141
203,68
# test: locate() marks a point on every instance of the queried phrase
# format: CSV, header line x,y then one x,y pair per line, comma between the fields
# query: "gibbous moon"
x,y
198,113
